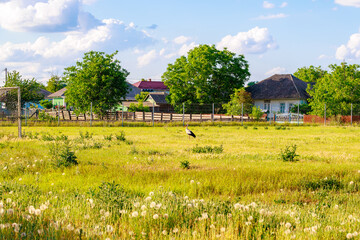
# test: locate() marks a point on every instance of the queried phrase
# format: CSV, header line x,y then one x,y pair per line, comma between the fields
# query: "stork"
x,y
189,132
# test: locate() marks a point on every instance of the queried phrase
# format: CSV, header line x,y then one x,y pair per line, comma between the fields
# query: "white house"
x,y
279,93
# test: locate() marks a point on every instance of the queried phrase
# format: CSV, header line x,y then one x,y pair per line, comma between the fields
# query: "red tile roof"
x,y
156,85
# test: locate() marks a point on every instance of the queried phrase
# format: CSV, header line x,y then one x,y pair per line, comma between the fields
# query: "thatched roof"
x,y
279,86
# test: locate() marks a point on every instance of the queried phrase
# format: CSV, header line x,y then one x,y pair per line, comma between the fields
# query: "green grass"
x,y
245,191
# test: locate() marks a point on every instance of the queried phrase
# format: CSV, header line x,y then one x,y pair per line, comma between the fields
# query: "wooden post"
x,y
134,116
161,117
171,117
69,114
19,111
213,112
242,114
200,117
232,118
183,116
62,113
190,116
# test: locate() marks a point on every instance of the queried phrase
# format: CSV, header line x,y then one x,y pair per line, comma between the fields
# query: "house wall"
x,y
276,104
58,101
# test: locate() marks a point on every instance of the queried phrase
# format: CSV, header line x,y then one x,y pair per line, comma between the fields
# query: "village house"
x,y
279,93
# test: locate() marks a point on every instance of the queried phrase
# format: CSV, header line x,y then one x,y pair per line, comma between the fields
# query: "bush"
x,y
289,154
86,135
256,113
47,104
121,136
43,116
109,138
185,164
62,156
138,107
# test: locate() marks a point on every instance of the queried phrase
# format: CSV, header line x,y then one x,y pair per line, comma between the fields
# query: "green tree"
x,y
256,113
98,79
240,100
55,83
310,74
337,89
206,75
47,104
304,108
29,88
141,97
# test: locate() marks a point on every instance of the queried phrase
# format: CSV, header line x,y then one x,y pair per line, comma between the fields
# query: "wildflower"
x,y
137,204
175,230
23,234
10,211
247,223
349,235
288,225
135,214
20,179
131,233
336,206
151,194
43,207
165,215
40,231
287,231
204,216
192,181
70,227
164,232
8,200
109,228
37,212
212,226
87,216
237,206
31,210
355,234
152,204
351,182
198,183
143,233
143,213
143,207
148,199
253,204
63,174
250,218
5,168
155,216
194,233
222,229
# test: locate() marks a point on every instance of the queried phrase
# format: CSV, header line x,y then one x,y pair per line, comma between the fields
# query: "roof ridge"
x,y
292,79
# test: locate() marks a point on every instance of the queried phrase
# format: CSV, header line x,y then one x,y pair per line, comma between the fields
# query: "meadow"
x,y
156,183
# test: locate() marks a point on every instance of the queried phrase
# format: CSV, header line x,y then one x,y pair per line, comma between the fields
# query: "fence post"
x,y
19,111
298,114
183,114
59,115
122,115
91,115
213,111
351,114
242,114
152,116
325,115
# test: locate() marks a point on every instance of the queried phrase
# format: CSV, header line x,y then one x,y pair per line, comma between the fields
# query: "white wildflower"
x,y
155,216
135,214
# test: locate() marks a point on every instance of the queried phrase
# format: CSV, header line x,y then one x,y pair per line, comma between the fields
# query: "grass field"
x,y
155,183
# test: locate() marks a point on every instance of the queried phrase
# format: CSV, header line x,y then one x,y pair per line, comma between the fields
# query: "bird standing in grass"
x,y
189,132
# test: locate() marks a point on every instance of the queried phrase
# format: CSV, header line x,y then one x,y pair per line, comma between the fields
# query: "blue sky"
x,y
40,38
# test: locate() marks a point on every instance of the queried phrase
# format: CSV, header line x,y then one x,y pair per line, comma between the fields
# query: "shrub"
x,y
289,154
62,155
185,164
256,113
109,138
121,136
47,104
43,116
86,135
47,137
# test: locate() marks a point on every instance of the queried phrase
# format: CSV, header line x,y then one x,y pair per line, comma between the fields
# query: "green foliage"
x,y
138,107
256,113
85,135
325,183
62,156
98,79
240,100
337,89
141,97
43,116
47,137
45,103
207,149
108,137
310,74
289,154
121,136
206,75
55,83
304,108
29,89
185,164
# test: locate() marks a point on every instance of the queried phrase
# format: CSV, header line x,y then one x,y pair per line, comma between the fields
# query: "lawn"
x,y
156,183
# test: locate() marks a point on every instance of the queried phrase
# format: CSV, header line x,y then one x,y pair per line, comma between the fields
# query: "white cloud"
x,y
284,4
147,58
350,3
185,48
181,40
256,41
41,16
351,50
272,16
267,4
276,70
112,35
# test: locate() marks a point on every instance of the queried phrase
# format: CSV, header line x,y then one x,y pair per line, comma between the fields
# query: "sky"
x,y
41,38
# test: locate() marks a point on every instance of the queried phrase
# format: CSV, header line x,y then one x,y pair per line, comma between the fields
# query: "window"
x,y
282,107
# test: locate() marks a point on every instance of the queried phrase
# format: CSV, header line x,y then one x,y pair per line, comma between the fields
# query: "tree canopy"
x,y
98,79
310,74
240,101
338,88
29,88
206,75
55,83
